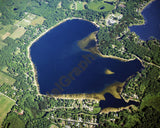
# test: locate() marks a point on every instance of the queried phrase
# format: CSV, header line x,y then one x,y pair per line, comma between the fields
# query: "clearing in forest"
x,y
80,5
18,33
6,30
6,79
101,6
38,20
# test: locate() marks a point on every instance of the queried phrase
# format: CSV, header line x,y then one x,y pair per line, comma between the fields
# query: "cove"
x,y
152,22
63,66
115,103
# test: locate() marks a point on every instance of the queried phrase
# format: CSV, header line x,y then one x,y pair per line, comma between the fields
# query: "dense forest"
x,y
32,110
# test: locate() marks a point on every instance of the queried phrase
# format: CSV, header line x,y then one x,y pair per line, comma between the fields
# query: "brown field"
x,y
5,35
6,79
38,20
18,33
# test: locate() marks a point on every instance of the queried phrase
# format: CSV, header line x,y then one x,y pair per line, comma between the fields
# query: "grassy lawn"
x,y
18,33
2,44
80,6
100,6
6,79
5,107
38,20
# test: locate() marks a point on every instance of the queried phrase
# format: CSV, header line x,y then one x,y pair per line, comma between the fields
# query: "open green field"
x,y
6,30
38,20
5,69
100,6
24,23
5,106
6,79
80,6
2,44
59,5
18,33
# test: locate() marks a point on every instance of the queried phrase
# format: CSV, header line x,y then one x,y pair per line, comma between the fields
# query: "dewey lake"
x,y
65,68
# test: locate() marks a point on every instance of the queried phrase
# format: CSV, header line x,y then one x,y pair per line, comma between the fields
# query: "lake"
x,y
151,27
62,66
115,103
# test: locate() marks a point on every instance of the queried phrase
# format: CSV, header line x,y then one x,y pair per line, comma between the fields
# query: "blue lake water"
x,y
62,67
151,27
115,103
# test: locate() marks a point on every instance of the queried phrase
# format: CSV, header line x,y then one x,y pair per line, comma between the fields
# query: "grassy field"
x,y
5,106
2,44
100,6
26,21
5,69
17,30
80,6
23,23
59,5
5,35
18,33
5,32
6,79
38,20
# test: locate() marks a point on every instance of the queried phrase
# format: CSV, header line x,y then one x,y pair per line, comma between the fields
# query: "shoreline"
x,y
112,89
36,39
146,5
85,41
93,96
140,12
